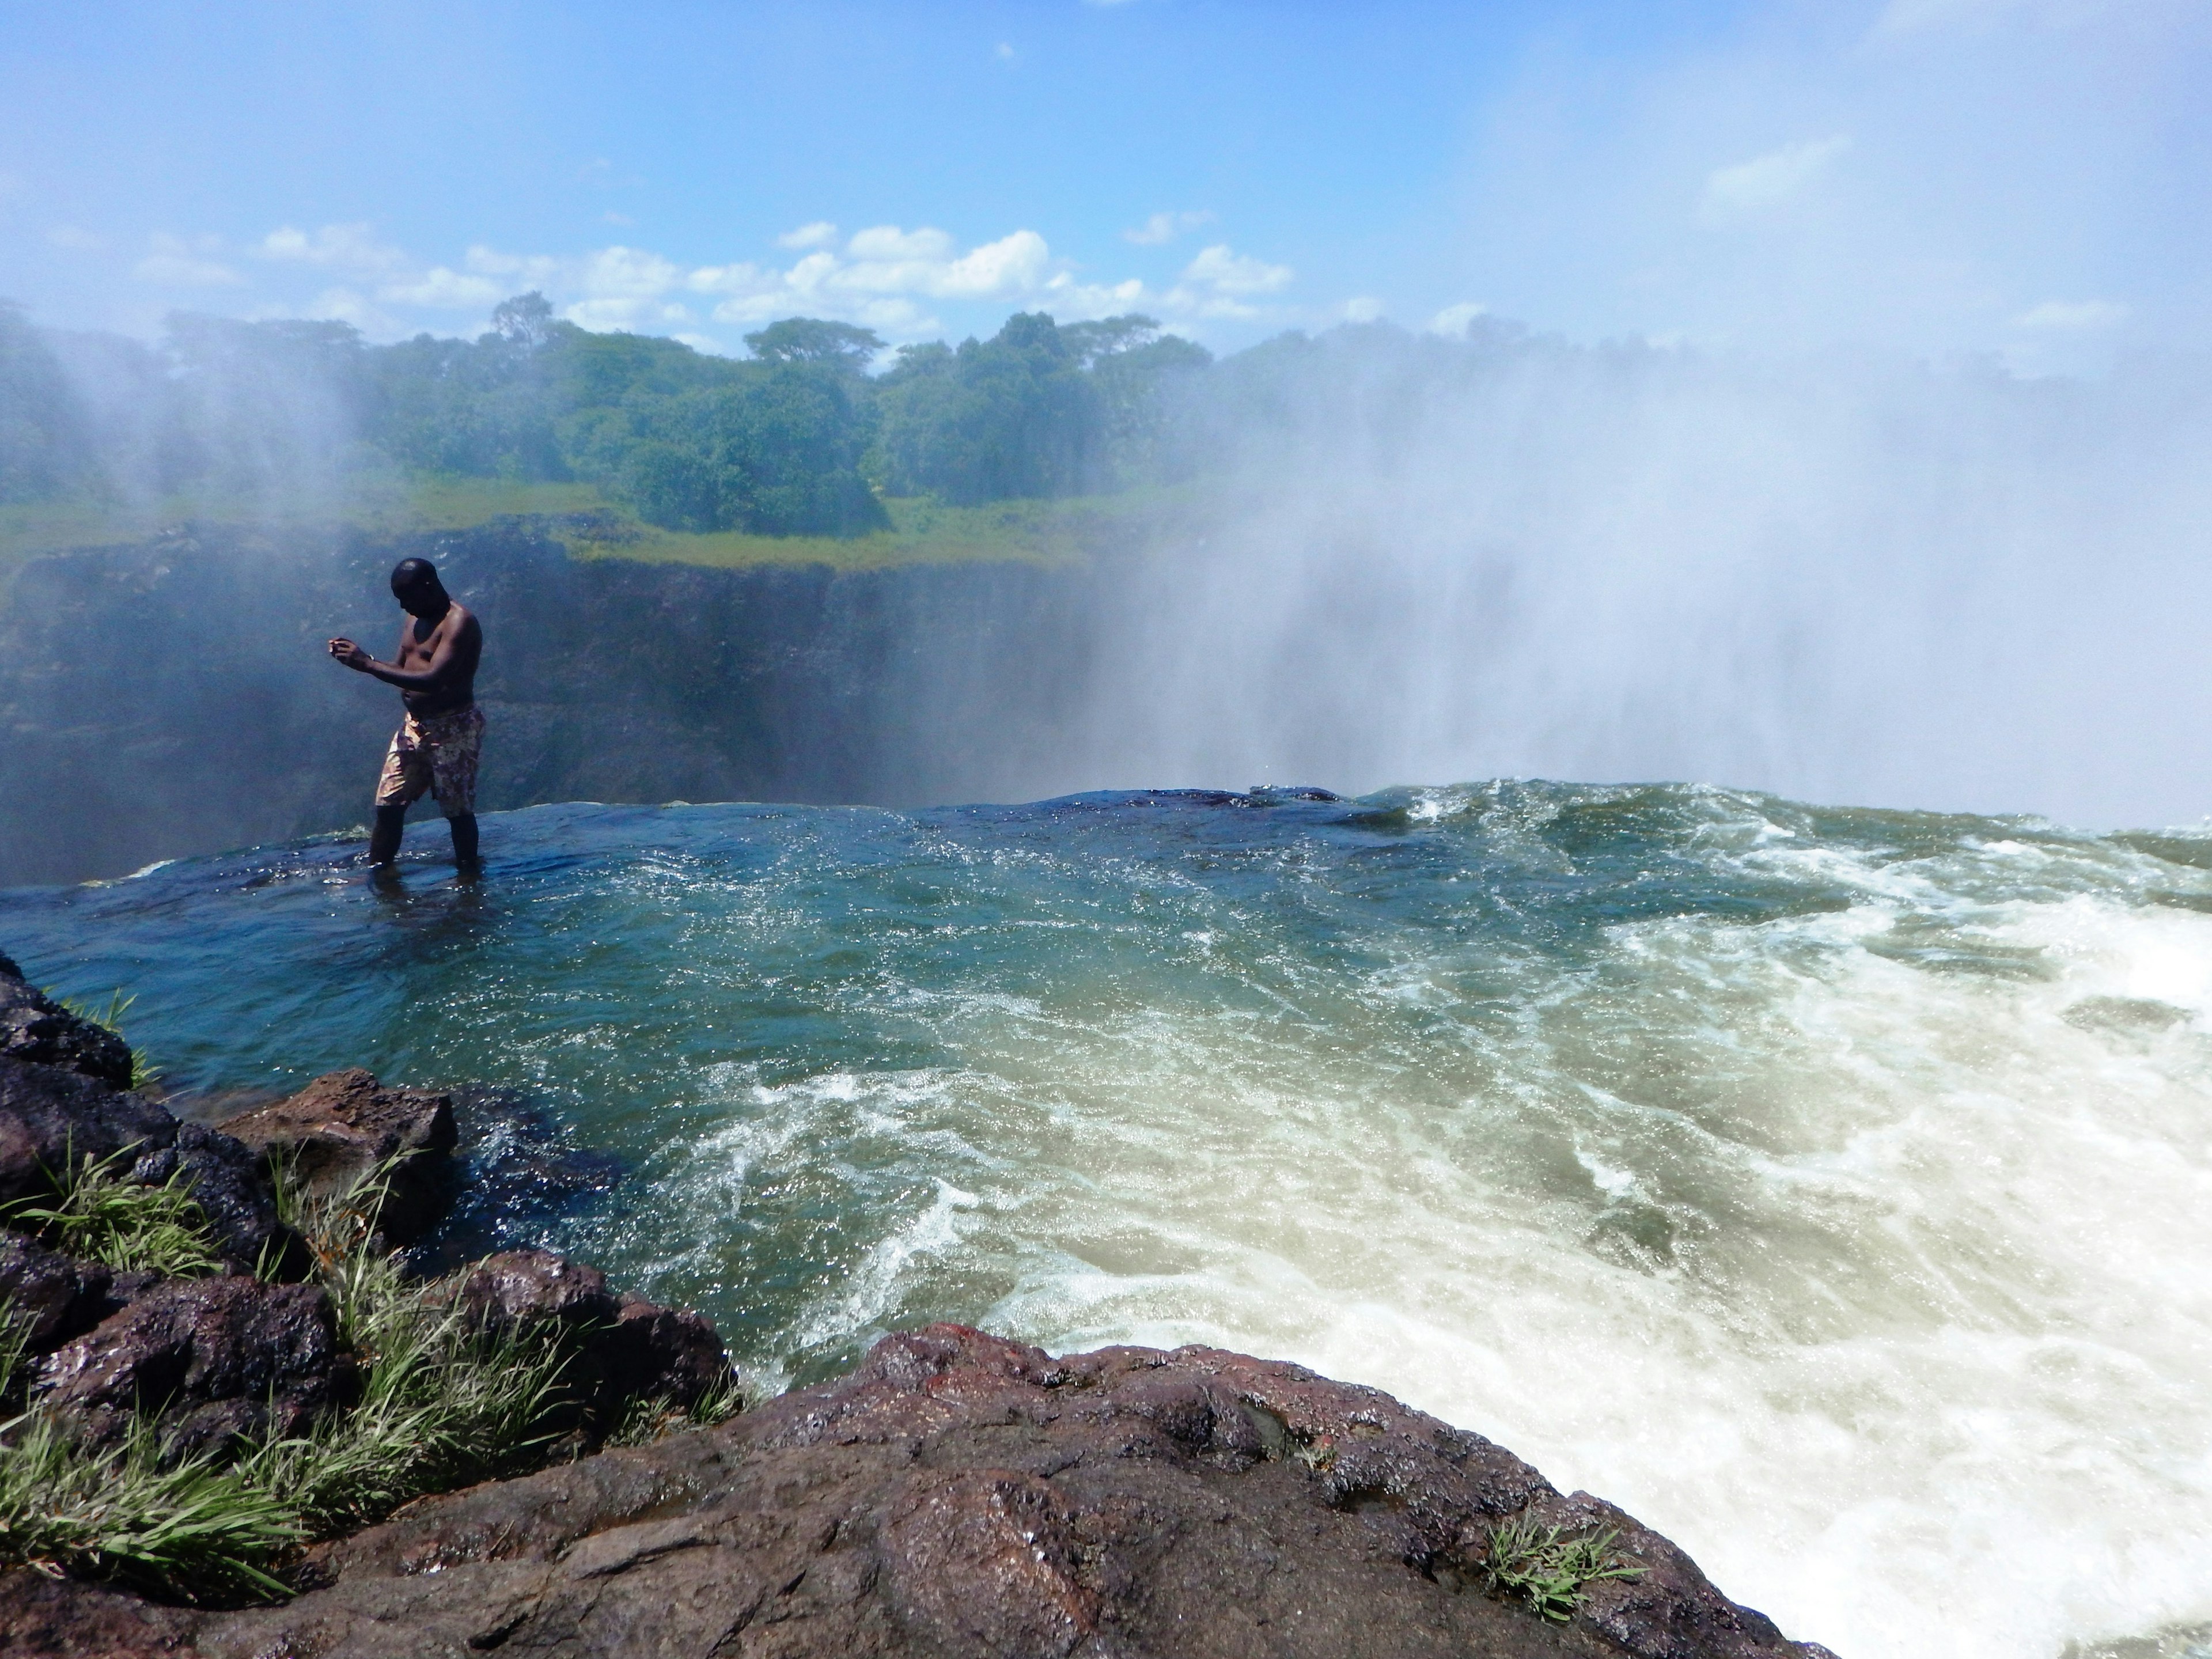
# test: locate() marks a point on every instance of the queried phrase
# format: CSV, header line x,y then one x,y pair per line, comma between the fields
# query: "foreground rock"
x,y
213,1361
959,1496
344,1128
35,1027
625,1347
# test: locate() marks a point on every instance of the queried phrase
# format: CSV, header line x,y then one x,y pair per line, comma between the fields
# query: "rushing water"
x,y
1829,1187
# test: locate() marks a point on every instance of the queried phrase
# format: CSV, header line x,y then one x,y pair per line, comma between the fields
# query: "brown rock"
x,y
214,1357
230,1183
624,1349
35,1027
661,1353
43,1618
960,1496
56,1296
49,1115
342,1126
521,1289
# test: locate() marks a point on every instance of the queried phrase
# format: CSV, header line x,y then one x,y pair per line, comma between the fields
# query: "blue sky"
x,y
2023,176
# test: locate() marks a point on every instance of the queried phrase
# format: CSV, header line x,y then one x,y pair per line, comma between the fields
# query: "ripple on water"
x,y
1825,1186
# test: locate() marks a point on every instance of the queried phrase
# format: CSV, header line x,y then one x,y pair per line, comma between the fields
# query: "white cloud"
x,y
1236,273
888,260
1165,228
175,263
1363,308
519,271
886,242
883,277
1772,180
345,305
1070,301
2074,315
71,236
1006,51
443,288
1013,264
347,248
1453,320
882,272
1219,283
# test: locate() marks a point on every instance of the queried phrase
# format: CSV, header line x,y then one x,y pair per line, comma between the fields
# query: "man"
x,y
436,746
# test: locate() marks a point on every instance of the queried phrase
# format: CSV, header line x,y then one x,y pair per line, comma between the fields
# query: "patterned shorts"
x,y
437,756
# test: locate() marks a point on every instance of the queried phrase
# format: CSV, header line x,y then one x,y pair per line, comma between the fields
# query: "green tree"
x,y
1011,416
809,340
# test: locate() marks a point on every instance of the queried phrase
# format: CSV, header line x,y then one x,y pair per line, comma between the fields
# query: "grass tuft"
x,y
648,1420
186,1529
444,1403
1547,1570
101,1217
15,1356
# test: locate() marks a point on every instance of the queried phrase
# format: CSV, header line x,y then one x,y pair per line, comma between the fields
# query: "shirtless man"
x,y
436,746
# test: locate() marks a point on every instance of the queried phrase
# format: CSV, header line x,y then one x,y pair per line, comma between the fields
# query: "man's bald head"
x,y
415,584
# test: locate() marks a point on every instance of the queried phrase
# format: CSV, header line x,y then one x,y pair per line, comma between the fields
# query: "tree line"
x,y
805,436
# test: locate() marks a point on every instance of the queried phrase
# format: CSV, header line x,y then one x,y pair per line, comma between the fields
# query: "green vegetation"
x,y
101,1217
1547,1570
653,1419
444,1403
186,1529
290,424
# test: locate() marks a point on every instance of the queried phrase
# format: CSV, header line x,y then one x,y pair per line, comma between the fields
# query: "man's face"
x,y
418,597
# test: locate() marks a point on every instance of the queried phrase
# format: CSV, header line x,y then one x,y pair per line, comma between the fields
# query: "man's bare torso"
x,y
419,639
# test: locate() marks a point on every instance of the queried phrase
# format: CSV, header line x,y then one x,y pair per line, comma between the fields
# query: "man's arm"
x,y
445,662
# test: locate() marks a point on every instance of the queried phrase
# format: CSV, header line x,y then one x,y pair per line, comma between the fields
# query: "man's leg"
x,y
464,839
384,840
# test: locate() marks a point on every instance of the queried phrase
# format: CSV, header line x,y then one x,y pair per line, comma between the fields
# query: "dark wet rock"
x,y
525,1289
343,1127
624,1349
55,1296
960,1496
49,1115
214,1358
662,1353
43,1618
230,1184
35,1027
519,1176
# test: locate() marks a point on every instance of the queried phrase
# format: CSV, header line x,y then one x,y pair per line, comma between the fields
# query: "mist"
x,y
1850,578
1365,558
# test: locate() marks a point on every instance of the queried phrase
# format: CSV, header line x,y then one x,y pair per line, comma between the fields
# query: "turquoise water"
x,y
1827,1186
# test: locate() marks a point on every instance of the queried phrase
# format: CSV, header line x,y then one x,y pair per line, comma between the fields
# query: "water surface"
x,y
1829,1187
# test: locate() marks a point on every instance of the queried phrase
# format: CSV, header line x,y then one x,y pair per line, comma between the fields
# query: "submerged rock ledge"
x,y
955,1495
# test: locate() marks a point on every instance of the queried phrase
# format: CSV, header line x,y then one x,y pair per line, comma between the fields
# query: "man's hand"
x,y
351,655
